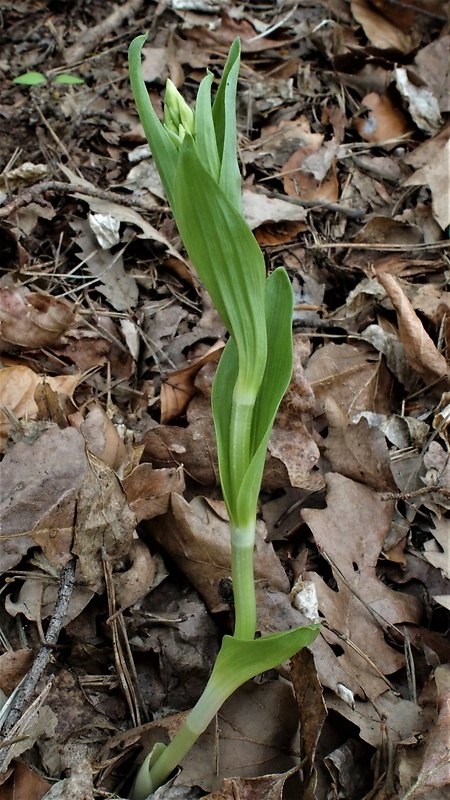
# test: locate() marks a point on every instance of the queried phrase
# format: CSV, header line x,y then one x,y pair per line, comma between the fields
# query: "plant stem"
x,y
242,545
223,681
242,407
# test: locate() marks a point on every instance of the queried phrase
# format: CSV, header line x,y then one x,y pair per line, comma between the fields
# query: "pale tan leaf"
x,y
33,321
104,523
37,480
421,351
380,31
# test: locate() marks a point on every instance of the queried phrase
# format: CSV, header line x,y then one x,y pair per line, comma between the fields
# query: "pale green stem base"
x,y
220,686
242,546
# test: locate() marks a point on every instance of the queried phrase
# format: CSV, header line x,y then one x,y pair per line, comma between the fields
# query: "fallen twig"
x,y
27,196
29,683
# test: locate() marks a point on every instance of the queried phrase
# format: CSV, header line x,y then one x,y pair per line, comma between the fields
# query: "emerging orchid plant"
x,y
195,153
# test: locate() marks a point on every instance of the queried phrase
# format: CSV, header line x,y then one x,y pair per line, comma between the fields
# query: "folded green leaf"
x,y
163,149
227,258
239,661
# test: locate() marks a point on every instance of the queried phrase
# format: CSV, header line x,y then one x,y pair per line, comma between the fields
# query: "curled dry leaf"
x,y
40,481
382,32
104,523
33,321
421,351
386,122
134,584
148,490
104,440
179,387
18,387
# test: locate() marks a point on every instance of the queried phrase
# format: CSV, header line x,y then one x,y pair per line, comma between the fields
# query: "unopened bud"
x,y
178,117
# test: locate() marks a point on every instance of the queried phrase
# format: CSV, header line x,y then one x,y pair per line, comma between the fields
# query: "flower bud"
x,y
178,117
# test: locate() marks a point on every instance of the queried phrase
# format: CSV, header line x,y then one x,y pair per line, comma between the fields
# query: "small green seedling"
x,y
195,153
36,78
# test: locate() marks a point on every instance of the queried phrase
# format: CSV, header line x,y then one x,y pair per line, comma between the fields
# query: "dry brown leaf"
x,y
104,522
104,440
256,735
435,770
24,783
36,480
385,122
179,387
13,666
312,715
351,532
198,540
381,229
433,66
37,597
380,31
267,787
432,159
18,387
299,181
33,321
259,209
148,490
137,581
360,452
420,102
272,235
421,351
355,377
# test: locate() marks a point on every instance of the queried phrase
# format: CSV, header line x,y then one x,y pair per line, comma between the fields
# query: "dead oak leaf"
x,y
104,523
33,321
350,533
421,351
39,485
198,539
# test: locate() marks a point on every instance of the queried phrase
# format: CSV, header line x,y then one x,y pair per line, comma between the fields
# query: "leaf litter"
x,y
109,347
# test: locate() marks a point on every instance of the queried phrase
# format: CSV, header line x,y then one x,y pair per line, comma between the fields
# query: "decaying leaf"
x,y
422,353
179,387
198,539
18,388
32,320
37,480
137,581
104,440
350,532
148,490
104,523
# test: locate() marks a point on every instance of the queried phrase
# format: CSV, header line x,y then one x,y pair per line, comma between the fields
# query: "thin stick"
x,y
26,691
35,192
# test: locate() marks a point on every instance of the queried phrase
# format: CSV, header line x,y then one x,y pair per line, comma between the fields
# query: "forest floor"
x,y
115,556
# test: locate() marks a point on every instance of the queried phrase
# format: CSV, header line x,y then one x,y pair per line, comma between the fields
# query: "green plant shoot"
x,y
195,153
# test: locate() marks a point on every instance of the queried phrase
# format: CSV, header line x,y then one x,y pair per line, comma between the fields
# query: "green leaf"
x,y
30,79
221,401
67,79
205,135
227,258
240,660
163,149
277,374
224,116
